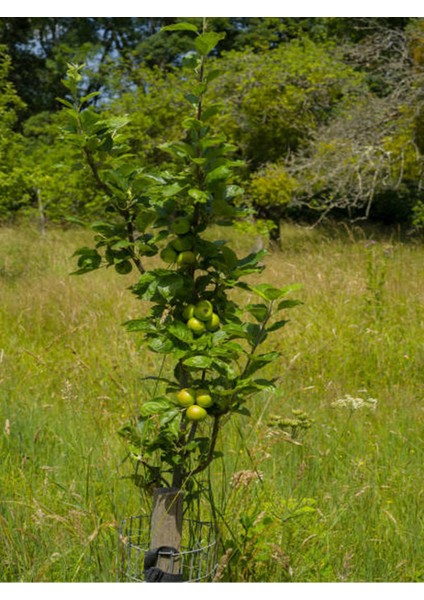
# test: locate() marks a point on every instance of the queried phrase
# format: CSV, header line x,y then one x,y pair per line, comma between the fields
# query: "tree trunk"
x,y
41,212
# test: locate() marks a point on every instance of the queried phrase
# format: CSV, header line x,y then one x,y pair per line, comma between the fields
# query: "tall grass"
x,y
339,501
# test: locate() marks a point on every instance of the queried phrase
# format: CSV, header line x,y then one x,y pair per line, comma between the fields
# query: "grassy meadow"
x,y
340,501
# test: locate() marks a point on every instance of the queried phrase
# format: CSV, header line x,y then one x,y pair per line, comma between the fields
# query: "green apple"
x,y
186,258
183,243
203,310
188,312
203,398
181,225
213,323
196,413
186,397
169,255
197,327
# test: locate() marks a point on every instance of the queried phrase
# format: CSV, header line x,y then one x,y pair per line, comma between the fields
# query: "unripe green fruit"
x,y
181,225
203,310
196,413
186,397
196,326
183,243
169,255
213,323
203,398
186,258
188,312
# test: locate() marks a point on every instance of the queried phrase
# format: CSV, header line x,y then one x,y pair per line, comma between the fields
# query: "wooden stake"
x,y
166,525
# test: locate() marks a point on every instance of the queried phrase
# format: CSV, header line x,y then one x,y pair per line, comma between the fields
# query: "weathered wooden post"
x,y
166,528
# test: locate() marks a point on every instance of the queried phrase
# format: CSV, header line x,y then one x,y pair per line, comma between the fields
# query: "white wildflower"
x,y
353,403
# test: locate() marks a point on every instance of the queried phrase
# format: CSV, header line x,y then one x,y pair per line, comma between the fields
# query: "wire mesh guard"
x,y
196,561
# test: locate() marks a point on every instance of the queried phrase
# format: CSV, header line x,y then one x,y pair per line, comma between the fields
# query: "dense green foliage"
x,y
331,106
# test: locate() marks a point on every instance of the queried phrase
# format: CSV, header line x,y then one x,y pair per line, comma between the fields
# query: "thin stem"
x,y
129,222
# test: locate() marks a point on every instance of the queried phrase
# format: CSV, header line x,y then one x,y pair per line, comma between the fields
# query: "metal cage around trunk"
x,y
195,561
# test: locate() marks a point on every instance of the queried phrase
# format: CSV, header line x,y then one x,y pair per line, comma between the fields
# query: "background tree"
x,y
14,187
366,162
292,105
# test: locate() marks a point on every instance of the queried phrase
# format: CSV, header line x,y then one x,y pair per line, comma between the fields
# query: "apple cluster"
x,y
201,317
195,402
180,250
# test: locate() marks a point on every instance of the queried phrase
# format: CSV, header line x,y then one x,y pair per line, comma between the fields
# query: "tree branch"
x,y
125,212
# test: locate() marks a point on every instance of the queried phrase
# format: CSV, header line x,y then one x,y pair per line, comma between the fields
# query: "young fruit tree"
x,y
158,225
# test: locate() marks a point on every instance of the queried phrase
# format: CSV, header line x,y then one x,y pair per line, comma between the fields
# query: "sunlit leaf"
x,y
184,26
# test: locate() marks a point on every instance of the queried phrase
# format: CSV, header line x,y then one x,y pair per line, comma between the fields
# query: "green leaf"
x,y
170,285
161,345
89,260
257,362
191,61
206,42
155,406
146,286
235,330
268,292
224,367
218,174
180,330
170,419
144,219
277,325
213,74
178,149
84,251
288,304
173,189
122,244
116,122
66,103
252,259
76,220
161,285
88,97
211,111
256,335
259,311
192,99
230,257
242,410
198,195
139,325
184,26
198,362
247,265
219,336
247,386
105,228
265,384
